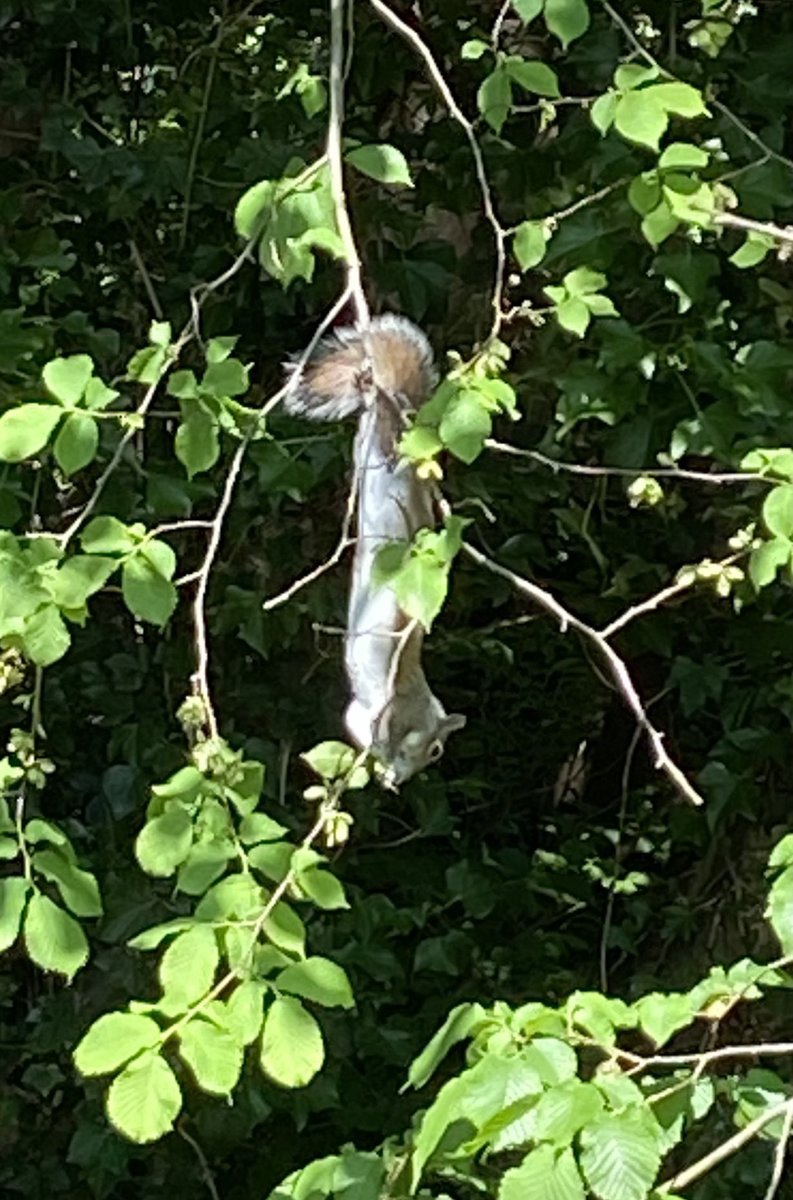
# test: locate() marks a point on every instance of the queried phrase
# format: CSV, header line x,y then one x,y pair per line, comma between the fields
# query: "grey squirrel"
x,y
381,374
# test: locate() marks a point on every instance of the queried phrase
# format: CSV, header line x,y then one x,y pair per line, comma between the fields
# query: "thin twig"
x,y
779,1155
203,111
200,677
706,1057
750,135
434,71
156,307
617,666
708,1161
335,163
206,1173
608,915
717,478
779,232
685,584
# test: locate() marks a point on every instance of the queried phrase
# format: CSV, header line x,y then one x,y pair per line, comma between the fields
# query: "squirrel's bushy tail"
x,y
393,354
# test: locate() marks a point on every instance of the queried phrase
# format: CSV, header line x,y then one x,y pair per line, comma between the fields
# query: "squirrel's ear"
x,y
450,724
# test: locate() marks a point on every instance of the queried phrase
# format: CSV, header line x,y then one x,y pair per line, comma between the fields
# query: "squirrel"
x,y
381,374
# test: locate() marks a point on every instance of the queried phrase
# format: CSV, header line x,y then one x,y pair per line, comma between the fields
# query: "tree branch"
x,y
617,666
436,75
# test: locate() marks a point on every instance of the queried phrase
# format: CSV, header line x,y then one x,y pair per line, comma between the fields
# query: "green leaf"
x,y
527,10
205,862
779,910
567,19
782,854
188,967
258,827
285,930
535,77
14,891
160,556
474,49
38,830
46,637
660,1014
76,444
683,156
144,1100
98,395
218,349
106,535
531,239
583,281
254,207
633,75
292,1050
335,760
494,98
113,1040
24,431
149,939
465,425
245,1010
619,1155
323,888
147,595
318,979
384,163
272,859
184,784
679,98
753,251
641,118
562,1111
573,315
553,1060
644,193
67,378
196,444
543,1175
778,511
603,112
164,843
78,578
53,939
461,1022
228,377
79,889
213,1055
659,224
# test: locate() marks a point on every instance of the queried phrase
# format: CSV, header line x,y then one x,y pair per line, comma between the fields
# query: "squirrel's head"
x,y
415,749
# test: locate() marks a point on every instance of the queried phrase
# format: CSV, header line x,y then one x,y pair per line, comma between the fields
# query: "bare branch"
x,y
708,1161
333,151
617,666
200,677
782,233
436,75
717,478
137,258
668,593
779,1155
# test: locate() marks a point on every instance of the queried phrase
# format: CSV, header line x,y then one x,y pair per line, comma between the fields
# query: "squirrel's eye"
x,y
435,750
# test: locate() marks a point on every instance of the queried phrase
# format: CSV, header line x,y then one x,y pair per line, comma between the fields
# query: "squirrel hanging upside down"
x,y
381,374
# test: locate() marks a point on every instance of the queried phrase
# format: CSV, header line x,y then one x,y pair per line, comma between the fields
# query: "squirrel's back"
x,y
392,354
